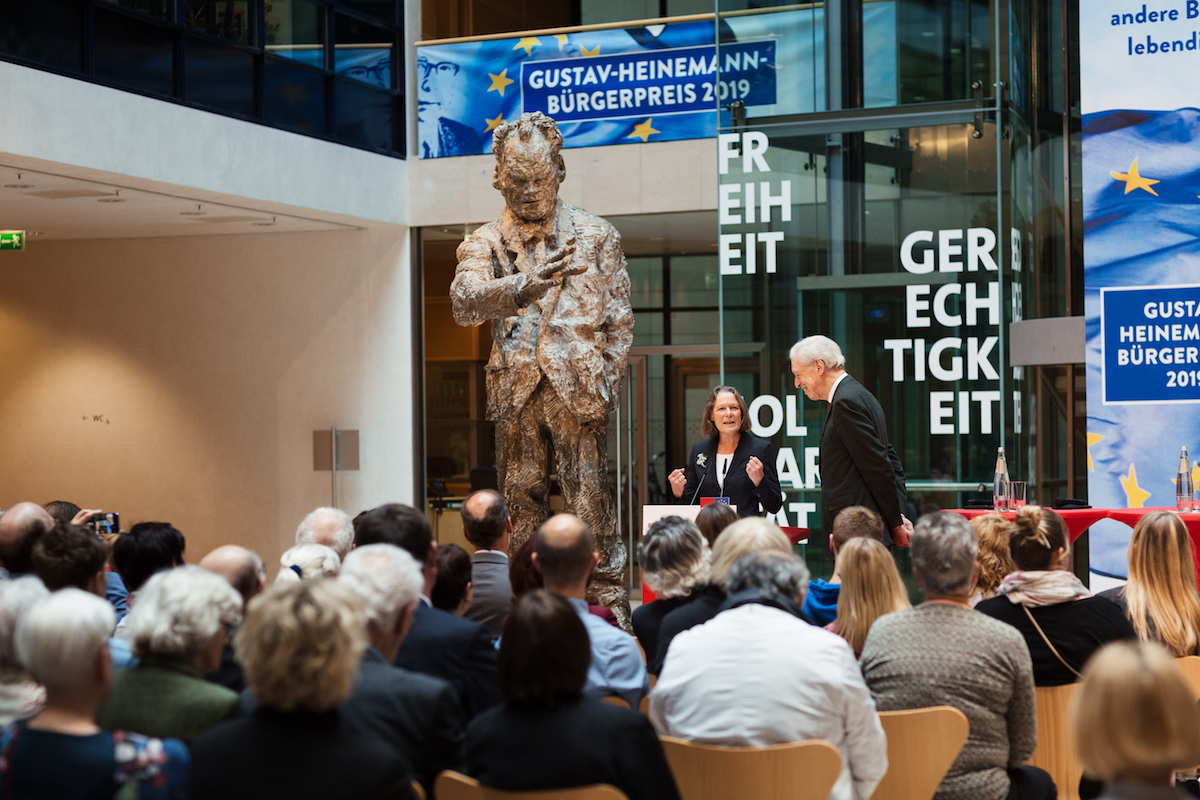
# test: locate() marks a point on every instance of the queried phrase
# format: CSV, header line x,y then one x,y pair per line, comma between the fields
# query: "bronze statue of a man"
x,y
552,280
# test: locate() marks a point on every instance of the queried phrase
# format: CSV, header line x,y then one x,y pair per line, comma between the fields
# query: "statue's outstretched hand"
x,y
550,274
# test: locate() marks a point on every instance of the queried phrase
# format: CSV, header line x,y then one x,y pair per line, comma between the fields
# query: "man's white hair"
x,y
16,598
331,527
58,638
314,561
180,610
386,578
818,347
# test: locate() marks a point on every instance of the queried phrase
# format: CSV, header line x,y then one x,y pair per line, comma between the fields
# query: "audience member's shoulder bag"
x,y
1046,639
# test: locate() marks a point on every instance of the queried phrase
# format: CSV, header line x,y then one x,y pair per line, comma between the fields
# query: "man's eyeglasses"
x,y
444,69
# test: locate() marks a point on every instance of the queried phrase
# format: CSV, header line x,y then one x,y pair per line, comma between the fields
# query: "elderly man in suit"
x,y
552,280
488,526
859,466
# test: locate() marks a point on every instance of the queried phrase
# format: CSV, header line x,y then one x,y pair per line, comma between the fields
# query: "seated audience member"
x,y
417,715
20,528
331,527
565,553
821,603
995,559
713,519
1160,596
63,511
1060,620
944,653
177,630
675,562
67,513
20,695
438,643
244,571
1134,722
748,535
871,587
453,589
301,645
61,752
522,574
758,674
143,550
68,555
547,734
488,527
308,561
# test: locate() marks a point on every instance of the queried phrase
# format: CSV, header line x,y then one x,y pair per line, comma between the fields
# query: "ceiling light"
x,y
116,198
264,224
196,213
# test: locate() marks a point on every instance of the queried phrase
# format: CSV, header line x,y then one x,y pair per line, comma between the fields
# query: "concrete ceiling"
x,y
57,202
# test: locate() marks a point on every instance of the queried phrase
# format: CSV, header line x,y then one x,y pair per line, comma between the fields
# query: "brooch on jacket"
x,y
702,460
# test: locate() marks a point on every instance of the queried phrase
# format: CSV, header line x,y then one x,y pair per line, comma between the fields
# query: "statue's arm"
x,y
476,294
618,322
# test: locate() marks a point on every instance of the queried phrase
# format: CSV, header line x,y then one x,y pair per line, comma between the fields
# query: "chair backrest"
x,y
613,700
794,771
1190,667
456,786
418,790
922,743
1055,746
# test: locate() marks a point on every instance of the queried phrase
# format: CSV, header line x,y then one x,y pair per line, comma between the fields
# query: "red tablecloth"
x,y
1191,519
1078,519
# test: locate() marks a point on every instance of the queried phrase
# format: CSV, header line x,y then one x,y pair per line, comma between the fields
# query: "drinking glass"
x,y
1017,497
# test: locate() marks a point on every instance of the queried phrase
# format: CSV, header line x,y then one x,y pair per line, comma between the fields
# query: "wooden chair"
x,y
794,771
418,790
456,786
1055,746
1190,667
922,743
613,700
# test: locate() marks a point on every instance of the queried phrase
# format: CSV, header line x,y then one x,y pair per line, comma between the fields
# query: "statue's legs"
x,y
522,467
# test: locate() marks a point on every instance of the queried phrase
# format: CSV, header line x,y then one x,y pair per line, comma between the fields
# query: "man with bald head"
x,y
488,527
244,571
565,553
20,528
331,527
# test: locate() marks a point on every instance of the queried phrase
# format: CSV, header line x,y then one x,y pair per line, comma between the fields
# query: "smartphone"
x,y
105,523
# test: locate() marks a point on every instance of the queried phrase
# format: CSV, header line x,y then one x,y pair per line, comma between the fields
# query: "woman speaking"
x,y
732,462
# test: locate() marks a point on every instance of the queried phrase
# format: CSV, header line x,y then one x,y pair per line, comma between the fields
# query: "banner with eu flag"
x,y
1141,210
647,83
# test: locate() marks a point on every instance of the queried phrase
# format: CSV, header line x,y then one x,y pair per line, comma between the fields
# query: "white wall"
x,y
212,360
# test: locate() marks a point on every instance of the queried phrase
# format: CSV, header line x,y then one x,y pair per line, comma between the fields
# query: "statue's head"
x,y
529,165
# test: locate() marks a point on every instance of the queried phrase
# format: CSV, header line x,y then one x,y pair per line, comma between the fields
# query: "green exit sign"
x,y
12,240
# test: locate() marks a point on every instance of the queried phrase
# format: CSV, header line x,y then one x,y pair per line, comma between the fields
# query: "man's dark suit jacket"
x,y
456,650
294,754
521,748
701,471
415,714
703,606
859,467
492,596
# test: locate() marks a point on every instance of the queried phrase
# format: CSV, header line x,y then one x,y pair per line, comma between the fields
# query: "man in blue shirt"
x,y
820,604
565,552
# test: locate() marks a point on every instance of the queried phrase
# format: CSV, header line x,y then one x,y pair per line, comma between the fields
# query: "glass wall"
x,y
317,67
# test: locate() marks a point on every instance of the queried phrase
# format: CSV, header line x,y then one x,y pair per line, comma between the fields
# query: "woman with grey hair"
x,y
675,563
306,561
61,751
944,653
177,628
20,695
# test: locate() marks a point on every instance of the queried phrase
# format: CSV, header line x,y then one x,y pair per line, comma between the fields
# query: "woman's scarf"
x,y
1034,588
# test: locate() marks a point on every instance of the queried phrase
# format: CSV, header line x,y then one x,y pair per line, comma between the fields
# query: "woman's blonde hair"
x,y
995,560
871,587
1161,592
744,536
1134,716
301,644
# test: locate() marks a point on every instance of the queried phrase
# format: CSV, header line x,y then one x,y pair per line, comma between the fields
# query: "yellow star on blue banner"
x,y
492,124
500,82
1135,495
642,131
562,40
1135,181
1092,438
595,51
527,44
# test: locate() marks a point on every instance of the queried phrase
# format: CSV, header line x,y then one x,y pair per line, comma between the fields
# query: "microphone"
x,y
699,485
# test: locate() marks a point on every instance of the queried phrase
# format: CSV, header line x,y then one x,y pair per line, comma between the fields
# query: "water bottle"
x,y
1000,487
1183,483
